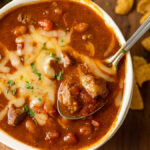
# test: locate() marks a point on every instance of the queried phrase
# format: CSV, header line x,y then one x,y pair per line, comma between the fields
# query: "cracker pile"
x,y
140,65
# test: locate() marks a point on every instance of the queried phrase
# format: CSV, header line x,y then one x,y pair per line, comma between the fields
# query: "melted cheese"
x,y
37,47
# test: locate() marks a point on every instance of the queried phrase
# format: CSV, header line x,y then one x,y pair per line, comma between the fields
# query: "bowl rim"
x,y
128,88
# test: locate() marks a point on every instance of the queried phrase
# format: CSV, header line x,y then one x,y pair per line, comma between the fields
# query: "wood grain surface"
x,y
135,131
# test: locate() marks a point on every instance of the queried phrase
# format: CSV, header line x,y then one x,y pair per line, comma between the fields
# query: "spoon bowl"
x,y
66,116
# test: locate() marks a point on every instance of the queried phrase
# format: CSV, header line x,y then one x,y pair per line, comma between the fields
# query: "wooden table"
x,y
135,132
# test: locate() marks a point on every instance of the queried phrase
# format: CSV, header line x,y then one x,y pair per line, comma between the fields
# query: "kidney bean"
x,y
86,129
70,138
95,123
87,37
81,27
58,11
19,30
46,25
46,12
30,126
52,135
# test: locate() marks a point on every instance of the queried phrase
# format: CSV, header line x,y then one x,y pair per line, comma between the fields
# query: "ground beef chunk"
x,y
15,115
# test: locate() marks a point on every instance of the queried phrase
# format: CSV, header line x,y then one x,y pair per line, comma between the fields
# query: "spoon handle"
x,y
132,40
138,34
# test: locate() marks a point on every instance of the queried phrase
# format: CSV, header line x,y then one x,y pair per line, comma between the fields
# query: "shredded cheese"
x,y
38,45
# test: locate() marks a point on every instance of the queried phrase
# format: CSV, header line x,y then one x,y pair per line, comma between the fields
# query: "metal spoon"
x,y
113,62
115,59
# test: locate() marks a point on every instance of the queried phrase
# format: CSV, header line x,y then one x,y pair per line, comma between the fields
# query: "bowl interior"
x,y
11,142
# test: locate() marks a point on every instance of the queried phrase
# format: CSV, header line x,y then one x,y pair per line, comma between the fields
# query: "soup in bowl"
x,y
53,51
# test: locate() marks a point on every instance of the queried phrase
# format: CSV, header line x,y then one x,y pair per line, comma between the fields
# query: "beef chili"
x,y
52,51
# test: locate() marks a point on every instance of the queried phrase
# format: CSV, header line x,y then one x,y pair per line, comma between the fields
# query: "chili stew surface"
x,y
52,51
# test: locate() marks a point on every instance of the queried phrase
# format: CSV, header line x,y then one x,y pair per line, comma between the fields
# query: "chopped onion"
x,y
95,69
90,48
92,64
105,68
110,47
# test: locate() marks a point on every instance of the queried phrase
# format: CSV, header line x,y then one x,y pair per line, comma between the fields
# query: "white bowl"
x,y
17,145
